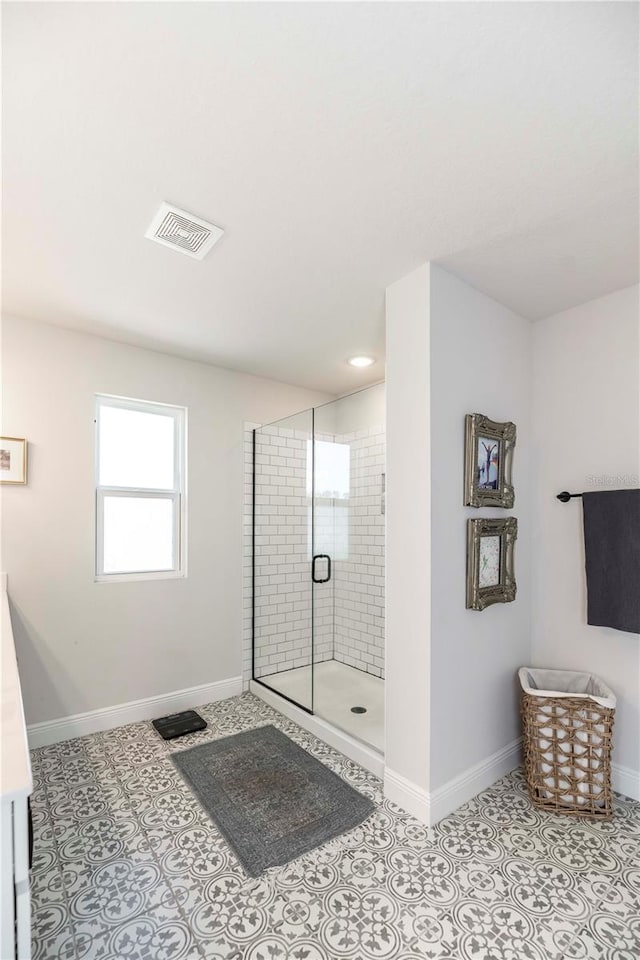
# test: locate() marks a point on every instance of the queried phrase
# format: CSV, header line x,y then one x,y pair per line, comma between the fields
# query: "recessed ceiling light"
x,y
361,361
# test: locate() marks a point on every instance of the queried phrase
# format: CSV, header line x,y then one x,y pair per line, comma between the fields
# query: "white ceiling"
x,y
338,145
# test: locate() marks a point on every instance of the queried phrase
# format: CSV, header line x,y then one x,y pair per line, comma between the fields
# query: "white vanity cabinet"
x,y
15,788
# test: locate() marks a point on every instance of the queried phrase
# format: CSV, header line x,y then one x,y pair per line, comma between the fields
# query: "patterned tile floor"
x,y
128,866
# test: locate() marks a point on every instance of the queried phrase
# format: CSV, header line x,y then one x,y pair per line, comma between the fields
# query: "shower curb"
x,y
350,746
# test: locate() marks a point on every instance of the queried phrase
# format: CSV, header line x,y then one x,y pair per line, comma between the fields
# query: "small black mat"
x,y
270,799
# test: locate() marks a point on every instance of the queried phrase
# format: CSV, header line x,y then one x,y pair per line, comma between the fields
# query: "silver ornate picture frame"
x,y
490,569
488,462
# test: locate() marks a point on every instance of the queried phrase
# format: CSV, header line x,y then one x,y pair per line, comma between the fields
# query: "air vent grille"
x,y
182,231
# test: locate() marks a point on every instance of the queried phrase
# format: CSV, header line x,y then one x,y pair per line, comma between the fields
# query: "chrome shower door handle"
x,y
321,556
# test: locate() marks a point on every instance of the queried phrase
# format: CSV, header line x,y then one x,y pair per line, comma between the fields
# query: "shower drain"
x,y
358,709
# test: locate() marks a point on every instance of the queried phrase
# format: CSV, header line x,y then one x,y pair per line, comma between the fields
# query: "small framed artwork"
x,y
490,574
13,460
488,462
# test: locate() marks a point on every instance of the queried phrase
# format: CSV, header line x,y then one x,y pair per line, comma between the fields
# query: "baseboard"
x,y
94,721
466,785
431,807
408,795
625,780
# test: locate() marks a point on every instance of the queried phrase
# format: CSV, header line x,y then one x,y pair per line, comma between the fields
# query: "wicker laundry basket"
x,y
567,722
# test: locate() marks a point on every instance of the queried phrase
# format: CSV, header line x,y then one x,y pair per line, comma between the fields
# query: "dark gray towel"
x,y
612,554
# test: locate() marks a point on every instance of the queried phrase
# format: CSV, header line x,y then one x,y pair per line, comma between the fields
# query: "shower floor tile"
x,y
338,688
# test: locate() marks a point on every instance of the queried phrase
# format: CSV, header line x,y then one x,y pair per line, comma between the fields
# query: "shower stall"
x,y
318,562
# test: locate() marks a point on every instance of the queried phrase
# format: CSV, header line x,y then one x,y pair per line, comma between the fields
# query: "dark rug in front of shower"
x,y
270,799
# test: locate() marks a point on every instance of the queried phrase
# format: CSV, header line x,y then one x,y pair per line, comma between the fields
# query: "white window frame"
x,y
177,493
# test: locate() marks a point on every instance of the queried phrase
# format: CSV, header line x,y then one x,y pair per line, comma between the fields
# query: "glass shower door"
x,y
282,558
349,527
318,561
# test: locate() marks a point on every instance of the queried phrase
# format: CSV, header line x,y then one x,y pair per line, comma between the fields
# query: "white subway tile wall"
x,y
283,594
348,611
359,579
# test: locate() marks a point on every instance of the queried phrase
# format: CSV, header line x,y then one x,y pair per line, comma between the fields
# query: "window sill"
x,y
132,577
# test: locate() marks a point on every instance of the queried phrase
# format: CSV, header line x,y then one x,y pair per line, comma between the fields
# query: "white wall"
x,y
408,515
84,645
586,437
355,411
571,384
451,673
480,362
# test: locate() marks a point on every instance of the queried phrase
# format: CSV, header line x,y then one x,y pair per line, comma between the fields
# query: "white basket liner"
x,y
567,683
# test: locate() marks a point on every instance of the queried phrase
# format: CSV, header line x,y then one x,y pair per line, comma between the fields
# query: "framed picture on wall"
x,y
488,462
13,460
490,571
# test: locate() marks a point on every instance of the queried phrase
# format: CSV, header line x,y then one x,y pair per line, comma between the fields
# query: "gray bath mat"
x,y
269,798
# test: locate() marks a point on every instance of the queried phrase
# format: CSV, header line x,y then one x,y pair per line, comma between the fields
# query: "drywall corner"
x,y
408,512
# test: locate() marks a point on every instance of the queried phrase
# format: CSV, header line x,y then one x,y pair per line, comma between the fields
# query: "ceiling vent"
x,y
182,231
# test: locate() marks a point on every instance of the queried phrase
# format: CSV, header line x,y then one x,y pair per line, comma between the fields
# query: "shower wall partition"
x,y
318,561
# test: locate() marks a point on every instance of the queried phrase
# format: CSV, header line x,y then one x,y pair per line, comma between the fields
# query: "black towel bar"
x,y
565,496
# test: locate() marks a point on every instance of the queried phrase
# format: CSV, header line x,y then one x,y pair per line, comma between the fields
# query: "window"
x,y
328,466
330,463
140,494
